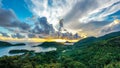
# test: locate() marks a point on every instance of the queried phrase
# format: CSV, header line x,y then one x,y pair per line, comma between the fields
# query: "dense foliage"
x,y
4,44
103,53
19,44
50,44
19,51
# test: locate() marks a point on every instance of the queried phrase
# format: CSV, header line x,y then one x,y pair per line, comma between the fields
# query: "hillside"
x,y
19,44
50,44
85,41
89,40
110,35
99,54
5,44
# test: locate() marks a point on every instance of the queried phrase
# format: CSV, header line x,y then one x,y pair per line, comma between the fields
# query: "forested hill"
x,y
102,52
2,43
89,40
5,44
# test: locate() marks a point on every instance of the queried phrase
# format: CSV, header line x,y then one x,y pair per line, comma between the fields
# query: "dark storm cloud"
x,y
6,17
37,30
42,26
9,19
45,25
21,25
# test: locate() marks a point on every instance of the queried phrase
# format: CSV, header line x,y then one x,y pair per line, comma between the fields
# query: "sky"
x,y
40,18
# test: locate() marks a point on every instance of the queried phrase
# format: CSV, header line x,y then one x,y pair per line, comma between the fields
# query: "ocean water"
x,y
5,50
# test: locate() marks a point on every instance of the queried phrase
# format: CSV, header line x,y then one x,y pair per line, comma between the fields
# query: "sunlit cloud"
x,y
104,9
54,10
112,27
80,17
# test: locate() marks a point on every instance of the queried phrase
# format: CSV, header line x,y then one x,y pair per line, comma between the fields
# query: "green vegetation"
x,y
99,54
85,41
4,44
50,44
18,51
103,53
111,35
59,46
19,44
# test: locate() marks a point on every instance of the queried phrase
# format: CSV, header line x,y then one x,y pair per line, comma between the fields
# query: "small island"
x,y
51,44
19,44
5,44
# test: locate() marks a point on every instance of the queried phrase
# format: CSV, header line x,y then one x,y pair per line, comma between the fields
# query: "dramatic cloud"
x,y
52,9
112,27
91,28
81,9
104,9
86,13
6,17
41,19
22,25
4,34
77,14
9,19
42,26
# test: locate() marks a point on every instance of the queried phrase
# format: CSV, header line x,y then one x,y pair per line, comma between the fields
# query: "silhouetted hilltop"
x,y
89,40
2,43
